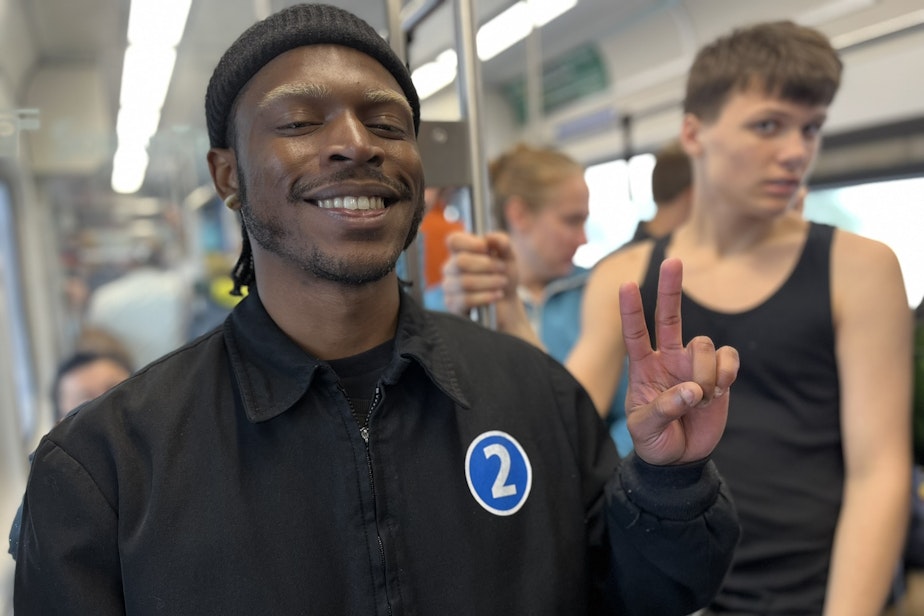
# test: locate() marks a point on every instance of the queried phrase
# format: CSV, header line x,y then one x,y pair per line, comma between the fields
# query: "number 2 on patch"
x,y
500,487
498,472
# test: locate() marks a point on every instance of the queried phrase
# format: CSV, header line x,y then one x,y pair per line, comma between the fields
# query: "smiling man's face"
x,y
329,172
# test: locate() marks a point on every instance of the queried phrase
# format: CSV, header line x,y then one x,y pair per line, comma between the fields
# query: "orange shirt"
x,y
435,228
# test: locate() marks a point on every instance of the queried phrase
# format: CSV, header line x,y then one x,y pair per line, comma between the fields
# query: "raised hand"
x,y
677,403
481,271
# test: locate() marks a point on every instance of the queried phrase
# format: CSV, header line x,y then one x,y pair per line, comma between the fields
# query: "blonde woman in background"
x,y
540,202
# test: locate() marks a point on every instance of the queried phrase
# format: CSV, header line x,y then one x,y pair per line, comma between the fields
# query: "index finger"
x,y
463,241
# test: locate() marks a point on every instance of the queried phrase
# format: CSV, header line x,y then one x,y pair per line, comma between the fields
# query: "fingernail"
x,y
687,396
719,392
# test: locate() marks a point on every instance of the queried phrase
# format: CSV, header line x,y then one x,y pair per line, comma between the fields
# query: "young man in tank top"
x,y
816,449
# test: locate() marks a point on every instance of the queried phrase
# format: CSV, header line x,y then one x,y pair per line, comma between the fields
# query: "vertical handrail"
x,y
397,40
416,11
469,79
396,33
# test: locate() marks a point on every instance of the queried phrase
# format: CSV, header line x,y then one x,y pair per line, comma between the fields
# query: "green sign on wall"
x,y
565,79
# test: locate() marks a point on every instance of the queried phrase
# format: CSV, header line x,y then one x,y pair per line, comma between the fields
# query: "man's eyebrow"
x,y
388,97
317,91
293,90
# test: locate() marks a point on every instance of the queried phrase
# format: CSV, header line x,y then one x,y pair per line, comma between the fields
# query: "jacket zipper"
x,y
364,432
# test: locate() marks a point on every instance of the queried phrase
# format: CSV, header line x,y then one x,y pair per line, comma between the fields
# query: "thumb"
x,y
671,404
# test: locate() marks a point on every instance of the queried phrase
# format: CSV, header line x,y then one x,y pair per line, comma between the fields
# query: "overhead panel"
x,y
566,79
75,133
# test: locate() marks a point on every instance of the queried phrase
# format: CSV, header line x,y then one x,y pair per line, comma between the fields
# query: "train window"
x,y
620,196
12,317
891,212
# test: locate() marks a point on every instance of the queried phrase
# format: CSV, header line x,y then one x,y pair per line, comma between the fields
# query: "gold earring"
x,y
231,201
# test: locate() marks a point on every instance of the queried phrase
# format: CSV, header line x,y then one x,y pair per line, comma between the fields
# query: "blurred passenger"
x,y
101,341
149,307
81,377
817,445
85,376
335,448
540,200
671,191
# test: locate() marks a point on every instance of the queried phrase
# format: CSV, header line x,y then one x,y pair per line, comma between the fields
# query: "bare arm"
x,y
873,333
598,356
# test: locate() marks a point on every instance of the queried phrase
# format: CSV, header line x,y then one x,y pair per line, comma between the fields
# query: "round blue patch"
x,y
498,472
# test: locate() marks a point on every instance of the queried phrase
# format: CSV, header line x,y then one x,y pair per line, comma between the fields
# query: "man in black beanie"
x,y
334,449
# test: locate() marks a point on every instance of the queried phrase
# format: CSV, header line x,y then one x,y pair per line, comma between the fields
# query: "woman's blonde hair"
x,y
528,172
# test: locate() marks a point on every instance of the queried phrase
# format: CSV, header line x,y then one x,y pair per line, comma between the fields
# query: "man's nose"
x,y
349,140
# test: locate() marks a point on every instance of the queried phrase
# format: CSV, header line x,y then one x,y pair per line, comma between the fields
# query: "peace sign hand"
x,y
677,403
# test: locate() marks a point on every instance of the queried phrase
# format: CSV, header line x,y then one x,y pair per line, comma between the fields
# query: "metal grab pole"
x,y
469,80
396,33
396,39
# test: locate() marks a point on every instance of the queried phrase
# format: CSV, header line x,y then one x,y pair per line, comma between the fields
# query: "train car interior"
x,y
103,144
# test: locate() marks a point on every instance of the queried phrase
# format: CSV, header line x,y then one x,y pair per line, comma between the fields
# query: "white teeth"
x,y
352,203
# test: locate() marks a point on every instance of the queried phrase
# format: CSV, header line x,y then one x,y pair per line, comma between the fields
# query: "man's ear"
x,y
223,169
690,134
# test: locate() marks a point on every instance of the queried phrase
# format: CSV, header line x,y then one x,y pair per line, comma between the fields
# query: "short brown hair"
x,y
527,172
793,62
672,173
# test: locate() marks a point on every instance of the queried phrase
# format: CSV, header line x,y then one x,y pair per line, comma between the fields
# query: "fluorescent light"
x,y
146,74
544,11
155,28
493,37
503,31
157,22
829,11
516,23
434,76
128,168
877,30
136,126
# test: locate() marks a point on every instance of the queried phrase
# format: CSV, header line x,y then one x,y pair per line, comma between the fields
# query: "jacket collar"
x,y
273,372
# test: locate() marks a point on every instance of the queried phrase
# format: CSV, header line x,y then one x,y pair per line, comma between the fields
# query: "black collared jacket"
x,y
230,477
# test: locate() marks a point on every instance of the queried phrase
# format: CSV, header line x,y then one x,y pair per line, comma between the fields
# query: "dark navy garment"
x,y
781,451
231,477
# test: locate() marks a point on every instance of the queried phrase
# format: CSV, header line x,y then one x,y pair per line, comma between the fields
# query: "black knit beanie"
x,y
295,26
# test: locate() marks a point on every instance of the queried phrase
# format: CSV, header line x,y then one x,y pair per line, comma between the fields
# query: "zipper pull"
x,y
364,431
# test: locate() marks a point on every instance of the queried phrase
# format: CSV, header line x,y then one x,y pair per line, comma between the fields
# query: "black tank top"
x,y
781,450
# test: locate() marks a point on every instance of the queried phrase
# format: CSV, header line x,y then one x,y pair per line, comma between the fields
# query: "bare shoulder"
x,y
854,255
627,264
865,275
601,296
